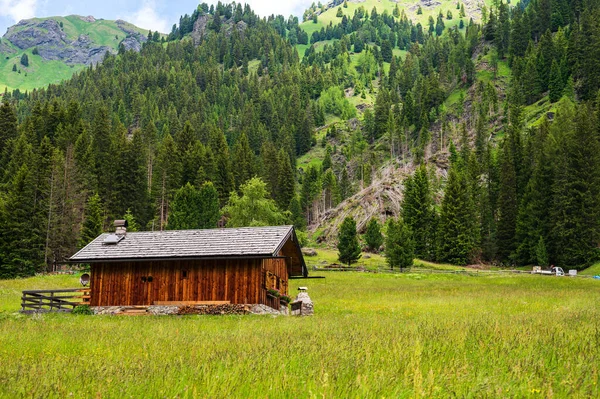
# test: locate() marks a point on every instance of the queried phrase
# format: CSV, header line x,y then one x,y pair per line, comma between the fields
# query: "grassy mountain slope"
x,y
104,34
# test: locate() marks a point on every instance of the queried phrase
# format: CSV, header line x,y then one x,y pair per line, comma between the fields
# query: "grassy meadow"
x,y
373,335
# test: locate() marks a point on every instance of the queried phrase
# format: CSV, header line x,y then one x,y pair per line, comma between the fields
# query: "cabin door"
x,y
142,286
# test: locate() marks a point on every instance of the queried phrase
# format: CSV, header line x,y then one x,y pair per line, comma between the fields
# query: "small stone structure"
x,y
306,307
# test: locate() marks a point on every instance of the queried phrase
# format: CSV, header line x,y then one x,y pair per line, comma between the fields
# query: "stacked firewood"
x,y
213,309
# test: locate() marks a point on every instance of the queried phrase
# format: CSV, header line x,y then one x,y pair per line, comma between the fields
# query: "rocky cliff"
x,y
73,40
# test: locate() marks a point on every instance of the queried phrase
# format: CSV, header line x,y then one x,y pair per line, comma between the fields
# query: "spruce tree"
x,y
373,237
243,161
556,84
349,251
132,224
185,209
331,190
575,212
224,180
21,244
399,244
507,206
93,222
8,131
457,230
297,217
541,253
286,182
327,159
166,178
418,213
209,206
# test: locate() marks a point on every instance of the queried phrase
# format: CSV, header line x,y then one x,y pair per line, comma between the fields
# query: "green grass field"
x,y
373,335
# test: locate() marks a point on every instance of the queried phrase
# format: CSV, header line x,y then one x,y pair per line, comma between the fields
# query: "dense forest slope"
x,y
485,139
39,51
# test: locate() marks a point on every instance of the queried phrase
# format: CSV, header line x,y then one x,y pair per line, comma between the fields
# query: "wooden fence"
x,y
54,300
420,270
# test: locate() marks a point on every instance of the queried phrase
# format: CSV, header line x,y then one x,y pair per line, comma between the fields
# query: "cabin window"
x,y
184,274
270,280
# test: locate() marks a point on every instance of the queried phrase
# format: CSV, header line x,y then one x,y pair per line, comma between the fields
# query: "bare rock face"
x,y
203,22
53,43
34,34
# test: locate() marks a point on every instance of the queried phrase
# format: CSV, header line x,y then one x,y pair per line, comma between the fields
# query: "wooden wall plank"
x,y
235,280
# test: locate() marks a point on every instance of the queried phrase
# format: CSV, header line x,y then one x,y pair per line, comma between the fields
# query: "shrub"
x,y
83,310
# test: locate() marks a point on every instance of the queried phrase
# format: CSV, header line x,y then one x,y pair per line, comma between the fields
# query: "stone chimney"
x,y
120,227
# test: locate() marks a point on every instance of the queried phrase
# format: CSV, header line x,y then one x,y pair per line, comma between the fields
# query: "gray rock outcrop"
x,y
52,42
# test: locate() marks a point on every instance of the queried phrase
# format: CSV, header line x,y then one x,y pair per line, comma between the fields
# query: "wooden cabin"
x,y
238,265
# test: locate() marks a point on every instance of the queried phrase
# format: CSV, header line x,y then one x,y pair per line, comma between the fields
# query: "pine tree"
x,y
382,110
103,151
507,206
210,214
131,186
20,253
270,164
399,244
556,84
327,159
8,131
349,251
330,187
541,253
418,213
373,237
386,51
167,178
345,184
93,222
132,224
575,231
243,161
457,230
286,182
297,218
224,180
185,209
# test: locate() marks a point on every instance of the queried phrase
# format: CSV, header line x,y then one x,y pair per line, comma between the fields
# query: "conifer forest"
x,y
479,141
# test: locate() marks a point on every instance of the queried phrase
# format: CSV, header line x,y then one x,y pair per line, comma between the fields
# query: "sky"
x,y
148,14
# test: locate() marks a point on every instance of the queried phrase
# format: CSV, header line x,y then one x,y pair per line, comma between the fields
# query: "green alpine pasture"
x,y
373,335
40,72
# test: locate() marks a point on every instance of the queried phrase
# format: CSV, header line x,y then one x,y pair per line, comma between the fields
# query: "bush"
x,y
83,310
335,102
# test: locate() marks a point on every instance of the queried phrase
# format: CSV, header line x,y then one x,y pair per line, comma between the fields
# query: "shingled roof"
x,y
246,242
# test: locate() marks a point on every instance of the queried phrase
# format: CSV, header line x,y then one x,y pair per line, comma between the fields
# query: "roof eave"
x,y
170,258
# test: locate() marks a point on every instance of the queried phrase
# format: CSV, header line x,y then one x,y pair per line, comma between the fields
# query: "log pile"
x,y
213,309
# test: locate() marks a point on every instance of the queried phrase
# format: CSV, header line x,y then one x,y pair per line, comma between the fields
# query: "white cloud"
x,y
18,9
147,18
286,8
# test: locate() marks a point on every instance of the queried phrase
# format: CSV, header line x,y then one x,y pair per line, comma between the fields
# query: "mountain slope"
x,y
56,47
